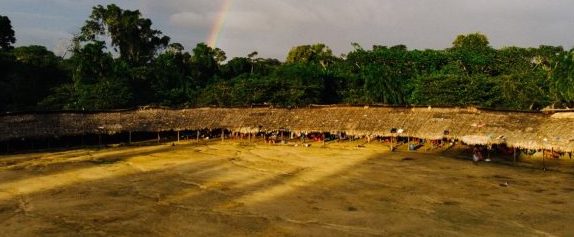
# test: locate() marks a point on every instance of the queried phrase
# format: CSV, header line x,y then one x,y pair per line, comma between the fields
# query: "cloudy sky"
x,y
272,27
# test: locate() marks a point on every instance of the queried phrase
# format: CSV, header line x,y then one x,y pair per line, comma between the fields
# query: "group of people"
x,y
477,155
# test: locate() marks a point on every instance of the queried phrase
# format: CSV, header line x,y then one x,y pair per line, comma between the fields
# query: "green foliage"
x,y
317,53
474,41
170,78
140,67
473,54
296,84
522,91
562,79
129,32
455,90
205,63
30,72
6,33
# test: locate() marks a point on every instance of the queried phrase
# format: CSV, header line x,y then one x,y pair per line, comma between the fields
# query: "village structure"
x,y
547,133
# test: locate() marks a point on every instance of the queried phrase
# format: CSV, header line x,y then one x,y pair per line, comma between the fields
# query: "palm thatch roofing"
x,y
471,125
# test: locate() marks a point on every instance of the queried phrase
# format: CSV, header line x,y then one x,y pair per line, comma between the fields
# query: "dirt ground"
x,y
240,189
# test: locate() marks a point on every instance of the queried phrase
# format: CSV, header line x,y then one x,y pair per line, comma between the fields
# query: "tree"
x,y
296,84
383,74
317,53
473,54
562,80
237,66
6,33
133,36
205,63
171,81
525,90
471,41
33,72
98,82
450,89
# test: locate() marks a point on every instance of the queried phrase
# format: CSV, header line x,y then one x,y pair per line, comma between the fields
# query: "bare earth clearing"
x,y
228,189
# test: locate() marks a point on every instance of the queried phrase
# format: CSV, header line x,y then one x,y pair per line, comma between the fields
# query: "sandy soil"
x,y
233,189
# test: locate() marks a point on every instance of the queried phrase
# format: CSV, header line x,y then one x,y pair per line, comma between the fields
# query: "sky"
x,y
272,27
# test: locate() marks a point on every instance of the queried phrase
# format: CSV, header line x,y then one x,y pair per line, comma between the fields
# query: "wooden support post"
x,y
177,135
100,139
249,136
324,138
158,137
514,154
392,147
282,140
130,137
543,159
222,135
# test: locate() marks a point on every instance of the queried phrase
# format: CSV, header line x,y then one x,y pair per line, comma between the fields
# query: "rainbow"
x,y
218,23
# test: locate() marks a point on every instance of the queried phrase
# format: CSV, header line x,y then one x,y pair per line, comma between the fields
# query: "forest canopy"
x,y
139,65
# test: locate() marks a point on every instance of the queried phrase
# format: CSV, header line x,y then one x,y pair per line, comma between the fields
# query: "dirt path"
x,y
227,189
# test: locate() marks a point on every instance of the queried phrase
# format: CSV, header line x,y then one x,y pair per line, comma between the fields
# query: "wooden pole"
x,y
158,138
178,136
100,139
197,136
514,154
222,135
130,137
249,136
543,159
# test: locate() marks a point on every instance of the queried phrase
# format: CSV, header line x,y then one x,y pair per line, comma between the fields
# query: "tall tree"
x,y
317,53
562,80
205,63
33,72
471,41
171,81
131,34
6,33
473,54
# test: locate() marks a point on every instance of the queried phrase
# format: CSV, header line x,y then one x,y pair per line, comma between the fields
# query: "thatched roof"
x,y
471,125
